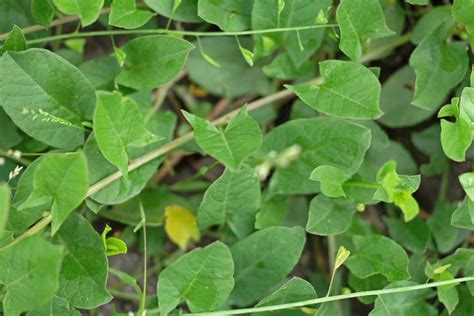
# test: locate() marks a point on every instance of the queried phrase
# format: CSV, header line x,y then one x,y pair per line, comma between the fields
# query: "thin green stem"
x,y
332,259
57,22
443,187
329,298
38,227
173,32
20,160
145,255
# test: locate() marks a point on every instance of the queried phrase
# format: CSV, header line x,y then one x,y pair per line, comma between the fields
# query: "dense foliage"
x,y
222,157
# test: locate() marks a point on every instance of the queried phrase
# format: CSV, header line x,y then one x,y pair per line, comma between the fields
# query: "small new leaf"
x,y
341,257
112,245
398,189
331,179
456,137
16,41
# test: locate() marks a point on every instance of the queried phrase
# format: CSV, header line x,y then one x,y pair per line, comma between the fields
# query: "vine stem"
x,y
175,32
32,231
328,299
57,22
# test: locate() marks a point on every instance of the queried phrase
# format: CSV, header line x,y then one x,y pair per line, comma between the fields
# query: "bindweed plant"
x,y
225,157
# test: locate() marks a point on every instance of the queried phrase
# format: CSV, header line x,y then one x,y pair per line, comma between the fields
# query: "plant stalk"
x,y
327,299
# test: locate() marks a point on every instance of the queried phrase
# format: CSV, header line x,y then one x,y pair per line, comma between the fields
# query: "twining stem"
x,y
57,22
174,32
328,299
145,261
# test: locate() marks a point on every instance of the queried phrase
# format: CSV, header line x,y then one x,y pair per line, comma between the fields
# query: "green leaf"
x,y
467,183
101,71
323,141
153,61
57,306
248,55
87,10
283,68
262,260
186,11
413,235
359,22
240,138
112,245
30,273
4,206
229,15
378,254
328,217
439,67
463,13
234,77
42,11
9,136
456,137
402,303
466,104
118,124
16,12
463,216
282,210
430,21
46,97
124,14
295,290
84,269
398,189
341,257
331,179
446,237
234,198
62,181
349,90
20,220
127,279
16,41
268,14
121,190
202,278
395,100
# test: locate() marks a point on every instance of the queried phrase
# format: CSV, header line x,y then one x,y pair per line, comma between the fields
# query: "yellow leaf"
x,y
180,225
